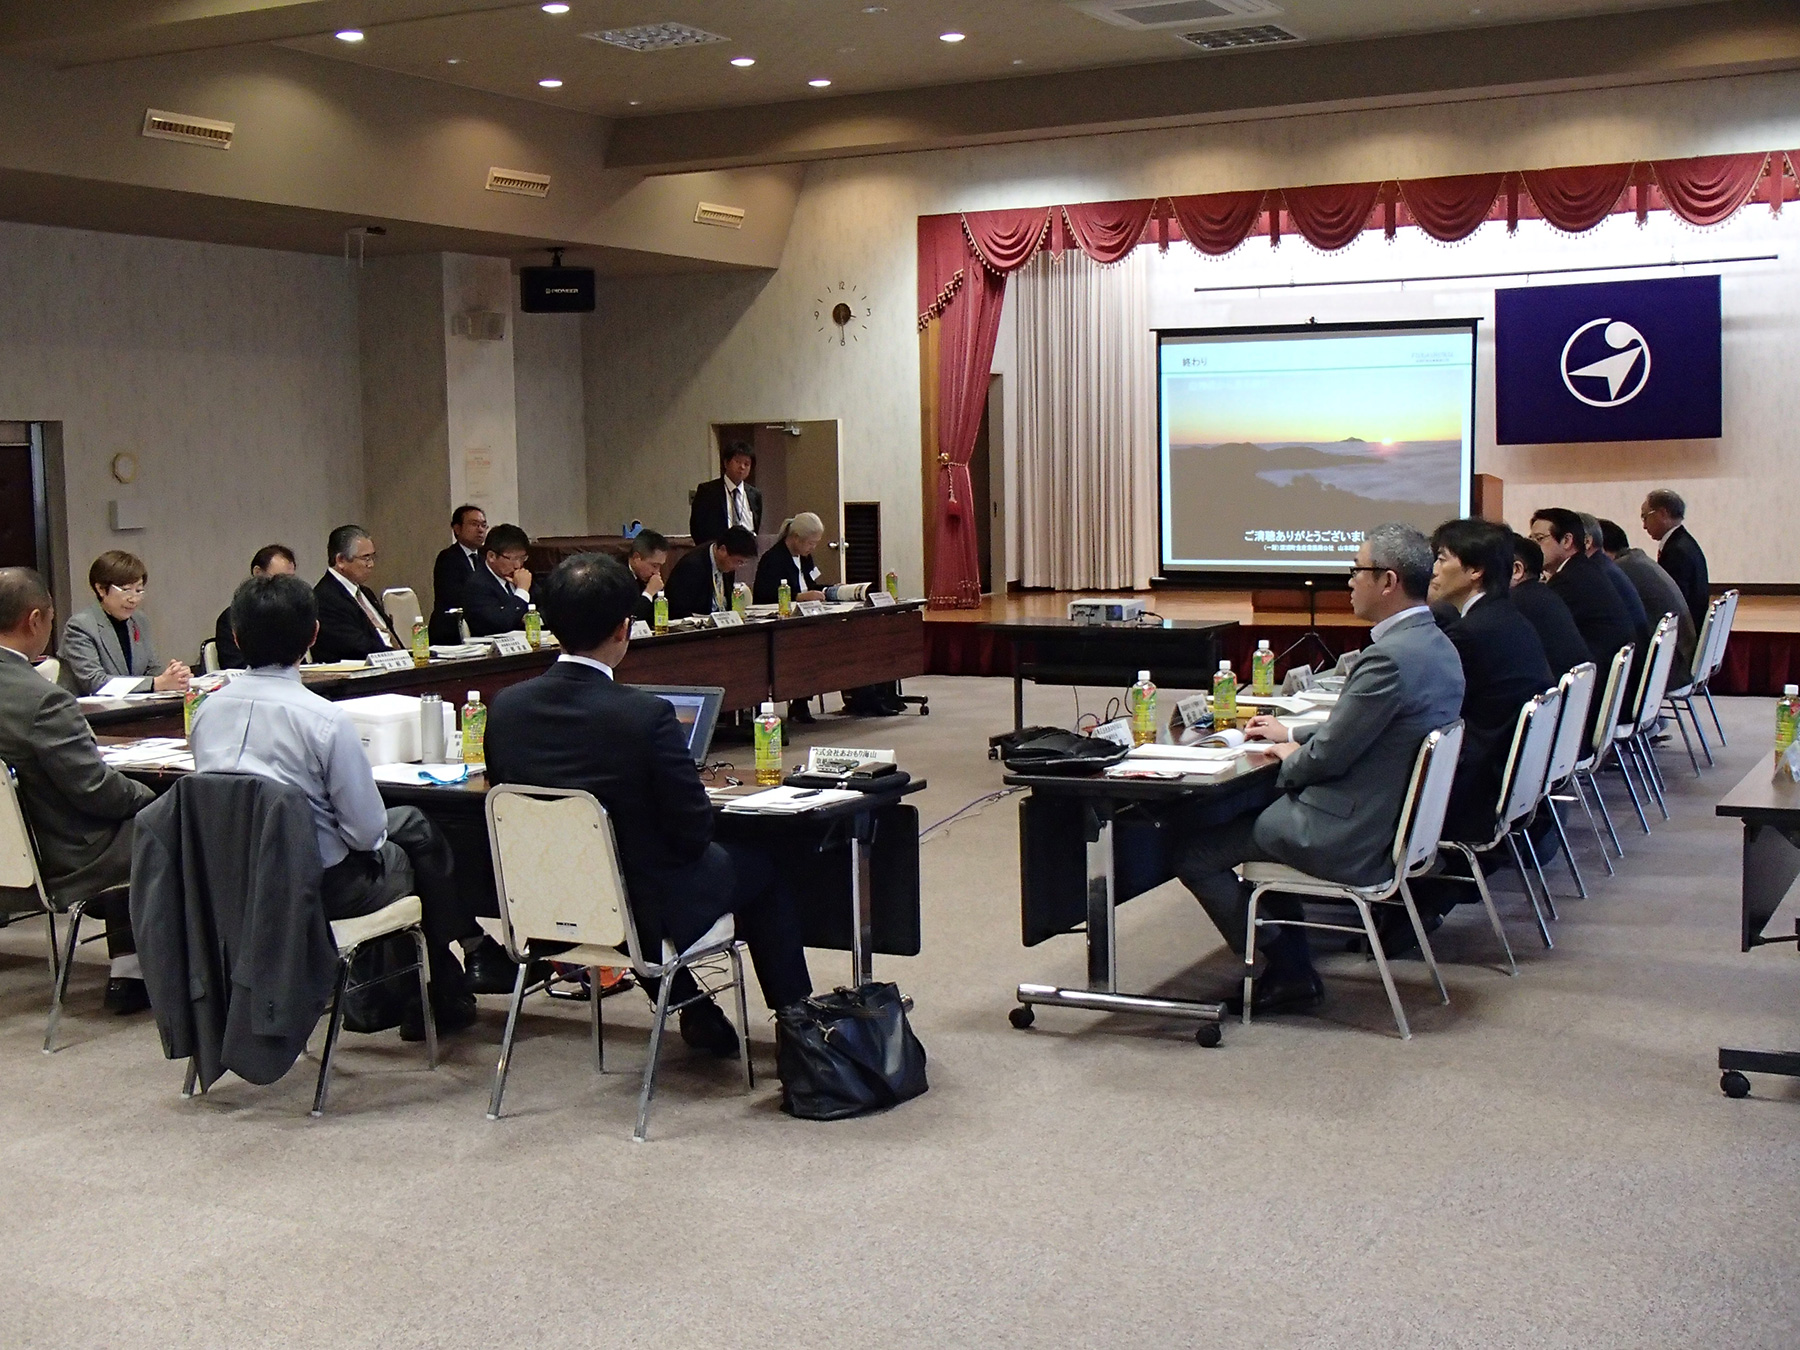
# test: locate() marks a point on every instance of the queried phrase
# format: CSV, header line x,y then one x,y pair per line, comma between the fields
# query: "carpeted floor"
x,y
1548,1162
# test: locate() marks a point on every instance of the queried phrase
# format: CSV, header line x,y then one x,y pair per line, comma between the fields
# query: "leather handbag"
x,y
847,1053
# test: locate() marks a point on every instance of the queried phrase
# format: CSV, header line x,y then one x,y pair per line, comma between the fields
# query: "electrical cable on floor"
x,y
986,799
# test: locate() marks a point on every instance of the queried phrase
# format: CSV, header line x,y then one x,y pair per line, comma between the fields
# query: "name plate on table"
x,y
877,599
809,609
727,618
512,644
640,629
390,660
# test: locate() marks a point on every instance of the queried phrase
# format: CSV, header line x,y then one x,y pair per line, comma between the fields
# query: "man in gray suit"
x,y
80,810
1343,782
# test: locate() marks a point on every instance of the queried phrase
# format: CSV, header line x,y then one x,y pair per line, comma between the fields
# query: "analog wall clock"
x,y
842,313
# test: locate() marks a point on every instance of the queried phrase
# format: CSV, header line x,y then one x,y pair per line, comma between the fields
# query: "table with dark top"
x,y
1089,844
1769,807
1178,653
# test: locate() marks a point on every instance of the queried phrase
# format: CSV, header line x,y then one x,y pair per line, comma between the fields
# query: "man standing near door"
x,y
727,501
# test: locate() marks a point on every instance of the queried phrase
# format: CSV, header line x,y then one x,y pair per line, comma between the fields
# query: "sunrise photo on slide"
x,y
1281,449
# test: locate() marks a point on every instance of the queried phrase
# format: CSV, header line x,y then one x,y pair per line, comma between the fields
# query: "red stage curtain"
x,y
1330,217
1107,231
1219,221
942,257
1709,189
971,322
1006,240
1451,208
1574,200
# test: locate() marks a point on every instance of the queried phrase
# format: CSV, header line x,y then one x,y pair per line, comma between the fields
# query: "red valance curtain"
x,y
1709,189
1006,240
1578,199
1330,217
1107,231
1449,209
942,257
1218,222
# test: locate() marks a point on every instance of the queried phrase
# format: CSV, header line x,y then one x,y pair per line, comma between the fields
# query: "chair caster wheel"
x,y
1022,1017
925,712
1209,1034
1734,1084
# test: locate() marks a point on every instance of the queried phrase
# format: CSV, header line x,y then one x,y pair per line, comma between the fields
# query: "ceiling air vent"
x,y
725,217
168,126
655,37
480,325
1240,39
1176,13
518,183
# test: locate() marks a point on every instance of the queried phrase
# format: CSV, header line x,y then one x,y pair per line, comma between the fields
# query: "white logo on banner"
x,y
1633,355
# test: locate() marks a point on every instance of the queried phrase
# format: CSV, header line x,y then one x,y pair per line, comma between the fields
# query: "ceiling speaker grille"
x,y
168,126
518,183
1176,13
1240,39
655,37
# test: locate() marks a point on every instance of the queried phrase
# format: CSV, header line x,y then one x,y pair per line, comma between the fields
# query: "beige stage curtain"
x,y
1087,423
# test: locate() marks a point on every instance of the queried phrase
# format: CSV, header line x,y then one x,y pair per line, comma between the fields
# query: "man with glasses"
x,y
352,622
1341,784
1664,514
496,597
1595,606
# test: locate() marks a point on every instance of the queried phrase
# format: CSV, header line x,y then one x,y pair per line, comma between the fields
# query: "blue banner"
x,y
1619,361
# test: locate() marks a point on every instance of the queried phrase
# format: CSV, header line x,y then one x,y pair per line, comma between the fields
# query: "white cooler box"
x,y
388,725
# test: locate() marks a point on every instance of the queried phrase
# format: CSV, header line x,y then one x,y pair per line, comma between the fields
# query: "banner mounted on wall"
x,y
1618,361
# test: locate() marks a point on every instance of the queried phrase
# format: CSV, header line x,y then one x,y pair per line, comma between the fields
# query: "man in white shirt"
x,y
266,722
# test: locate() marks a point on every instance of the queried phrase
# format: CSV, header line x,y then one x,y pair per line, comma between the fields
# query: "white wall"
x,y
665,357
230,373
551,426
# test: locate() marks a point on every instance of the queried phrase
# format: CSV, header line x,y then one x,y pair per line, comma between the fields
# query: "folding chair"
x,y
1571,727
1709,655
402,605
405,915
1633,731
562,894
1612,703
1415,848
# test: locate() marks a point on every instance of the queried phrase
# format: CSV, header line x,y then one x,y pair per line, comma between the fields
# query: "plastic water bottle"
x,y
195,696
1143,710
421,643
534,626
740,598
1787,717
474,729
768,747
1224,698
1262,670
784,599
893,584
659,613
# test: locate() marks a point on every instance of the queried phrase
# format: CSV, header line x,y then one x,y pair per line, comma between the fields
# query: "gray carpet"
x,y
1548,1162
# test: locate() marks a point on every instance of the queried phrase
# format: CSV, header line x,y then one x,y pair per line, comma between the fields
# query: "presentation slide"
x,y
1282,448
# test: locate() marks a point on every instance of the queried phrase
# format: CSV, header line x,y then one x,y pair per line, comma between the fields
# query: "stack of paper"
x,y
153,752
460,651
790,801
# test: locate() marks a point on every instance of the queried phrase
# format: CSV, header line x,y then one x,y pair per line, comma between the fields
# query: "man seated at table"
x,y
496,597
80,810
1544,609
268,723
1342,783
574,727
649,551
271,560
701,583
352,623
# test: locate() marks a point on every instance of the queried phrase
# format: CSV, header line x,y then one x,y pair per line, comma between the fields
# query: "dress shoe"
x,y
704,1026
453,1014
124,997
489,970
1396,931
800,711
1284,991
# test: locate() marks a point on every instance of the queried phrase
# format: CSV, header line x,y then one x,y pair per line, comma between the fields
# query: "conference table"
x,y
782,659
1769,807
1089,844
1178,653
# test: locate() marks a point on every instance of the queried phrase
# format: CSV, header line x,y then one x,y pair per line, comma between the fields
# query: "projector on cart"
x,y
1093,610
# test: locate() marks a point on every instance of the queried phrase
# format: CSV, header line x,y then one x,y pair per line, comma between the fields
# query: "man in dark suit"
x,y
80,810
1658,591
1664,514
271,560
1641,622
1503,664
1596,608
1544,610
726,501
352,622
649,551
452,570
496,597
702,581
575,727
1342,783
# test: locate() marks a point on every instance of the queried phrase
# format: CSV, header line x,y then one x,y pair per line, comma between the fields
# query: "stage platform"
x,y
1763,655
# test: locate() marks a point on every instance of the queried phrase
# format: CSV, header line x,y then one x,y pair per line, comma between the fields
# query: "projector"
x,y
1105,611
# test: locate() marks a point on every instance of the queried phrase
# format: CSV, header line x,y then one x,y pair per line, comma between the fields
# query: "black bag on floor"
x,y
847,1053
384,1005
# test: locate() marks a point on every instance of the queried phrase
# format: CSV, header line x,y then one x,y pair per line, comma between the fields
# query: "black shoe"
x,y
489,970
1397,936
1286,991
800,712
705,1027
452,1015
124,997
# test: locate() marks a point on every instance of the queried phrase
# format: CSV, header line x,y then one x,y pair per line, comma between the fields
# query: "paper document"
x,y
1166,770
153,752
1191,754
121,685
789,801
426,775
1289,705
332,667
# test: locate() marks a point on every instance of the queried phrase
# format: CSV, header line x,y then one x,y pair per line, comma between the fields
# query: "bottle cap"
x,y
532,609
474,695
768,708
1143,677
1262,645
1225,666
1790,690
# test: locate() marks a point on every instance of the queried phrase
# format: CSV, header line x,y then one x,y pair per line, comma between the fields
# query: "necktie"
x,y
718,588
740,509
370,613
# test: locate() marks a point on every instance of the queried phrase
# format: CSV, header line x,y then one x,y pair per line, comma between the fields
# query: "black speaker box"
x,y
556,290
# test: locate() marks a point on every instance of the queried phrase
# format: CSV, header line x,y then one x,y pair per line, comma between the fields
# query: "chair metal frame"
x,y
597,916
1709,655
1416,838
1633,735
209,657
1577,687
1612,702
350,936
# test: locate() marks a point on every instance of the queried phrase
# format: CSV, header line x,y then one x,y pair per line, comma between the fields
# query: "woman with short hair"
x,y
110,638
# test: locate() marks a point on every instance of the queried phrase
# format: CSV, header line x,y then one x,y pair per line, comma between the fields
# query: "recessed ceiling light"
x,y
555,9
349,35
549,84
453,60
874,9
950,37
634,102
820,84
743,62
1018,60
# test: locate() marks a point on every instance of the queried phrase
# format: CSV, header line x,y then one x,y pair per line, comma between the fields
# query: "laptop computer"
x,y
696,708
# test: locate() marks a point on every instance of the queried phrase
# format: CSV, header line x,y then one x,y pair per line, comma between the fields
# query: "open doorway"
x,y
33,523
797,469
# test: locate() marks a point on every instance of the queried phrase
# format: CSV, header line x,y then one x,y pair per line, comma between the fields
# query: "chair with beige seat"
x,y
402,605
562,894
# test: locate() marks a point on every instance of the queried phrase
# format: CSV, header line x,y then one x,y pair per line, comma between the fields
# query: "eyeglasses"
x,y
360,558
1540,536
137,590
1371,569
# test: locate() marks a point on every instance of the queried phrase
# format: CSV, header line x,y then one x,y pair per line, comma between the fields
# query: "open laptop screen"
x,y
696,708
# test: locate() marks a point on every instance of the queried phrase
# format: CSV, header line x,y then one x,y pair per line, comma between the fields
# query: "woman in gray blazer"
x,y
111,638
